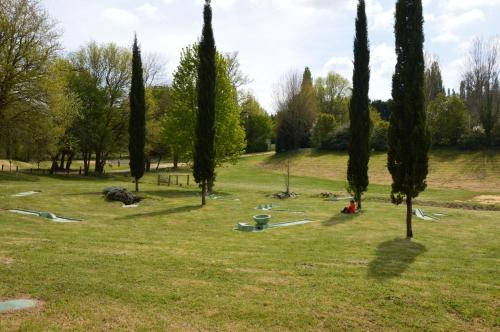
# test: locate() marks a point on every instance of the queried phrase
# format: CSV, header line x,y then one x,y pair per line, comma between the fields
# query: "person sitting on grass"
x,y
351,209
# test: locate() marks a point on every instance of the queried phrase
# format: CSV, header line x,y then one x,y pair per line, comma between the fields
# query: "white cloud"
x,y
149,10
120,16
217,3
452,72
340,65
460,5
446,37
383,61
378,17
452,22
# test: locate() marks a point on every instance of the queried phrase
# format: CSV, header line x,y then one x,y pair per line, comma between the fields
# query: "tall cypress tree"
x,y
408,137
359,114
204,153
137,122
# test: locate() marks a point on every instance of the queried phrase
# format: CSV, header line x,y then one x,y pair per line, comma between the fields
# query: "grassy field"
x,y
171,265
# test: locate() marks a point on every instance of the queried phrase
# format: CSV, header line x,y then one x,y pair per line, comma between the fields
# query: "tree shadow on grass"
x,y
393,258
180,209
339,219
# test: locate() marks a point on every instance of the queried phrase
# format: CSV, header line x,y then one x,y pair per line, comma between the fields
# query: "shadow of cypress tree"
x,y
393,258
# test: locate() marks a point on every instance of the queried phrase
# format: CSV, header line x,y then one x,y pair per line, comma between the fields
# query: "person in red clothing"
x,y
351,209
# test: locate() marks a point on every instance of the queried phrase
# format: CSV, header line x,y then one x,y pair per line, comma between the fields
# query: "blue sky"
x,y
274,37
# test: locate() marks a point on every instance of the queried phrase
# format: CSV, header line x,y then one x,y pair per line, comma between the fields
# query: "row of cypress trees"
x,y
408,138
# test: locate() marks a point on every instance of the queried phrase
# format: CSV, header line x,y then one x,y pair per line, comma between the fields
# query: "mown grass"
x,y
171,265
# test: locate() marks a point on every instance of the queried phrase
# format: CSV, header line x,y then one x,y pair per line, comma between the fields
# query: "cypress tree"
x,y
408,137
359,114
137,121
204,153
307,81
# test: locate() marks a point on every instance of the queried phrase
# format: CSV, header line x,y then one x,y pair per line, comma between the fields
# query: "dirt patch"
x,y
488,199
6,260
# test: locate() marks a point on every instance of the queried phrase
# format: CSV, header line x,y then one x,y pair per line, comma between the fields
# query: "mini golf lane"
x,y
47,215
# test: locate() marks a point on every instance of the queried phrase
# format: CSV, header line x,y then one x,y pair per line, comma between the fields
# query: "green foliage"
x,y
137,119
447,120
297,112
323,131
104,74
409,139
333,94
257,123
28,50
158,101
433,83
178,125
359,113
204,151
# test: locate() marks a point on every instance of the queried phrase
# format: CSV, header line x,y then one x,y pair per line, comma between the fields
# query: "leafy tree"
x,y
178,125
333,93
383,108
409,139
109,69
481,85
359,114
204,152
28,48
378,137
137,120
297,111
447,119
433,83
91,113
323,131
257,123
158,99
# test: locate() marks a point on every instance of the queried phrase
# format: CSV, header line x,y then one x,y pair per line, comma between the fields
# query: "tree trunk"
x,y
136,185
409,214
70,161
61,164
210,186
203,192
97,166
86,163
359,202
148,163
176,160
158,165
53,167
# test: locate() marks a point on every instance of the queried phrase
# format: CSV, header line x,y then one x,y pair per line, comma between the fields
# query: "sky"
x,y
276,37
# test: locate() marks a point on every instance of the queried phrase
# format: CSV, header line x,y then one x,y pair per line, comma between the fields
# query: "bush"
x,y
322,130
379,137
471,141
338,140
120,195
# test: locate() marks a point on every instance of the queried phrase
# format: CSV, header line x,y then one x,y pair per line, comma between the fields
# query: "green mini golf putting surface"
x,y
11,305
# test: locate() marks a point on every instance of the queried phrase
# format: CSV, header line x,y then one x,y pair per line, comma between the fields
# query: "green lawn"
x,y
171,265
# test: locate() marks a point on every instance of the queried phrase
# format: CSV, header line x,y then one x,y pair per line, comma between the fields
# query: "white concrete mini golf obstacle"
x,y
47,215
26,193
19,304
